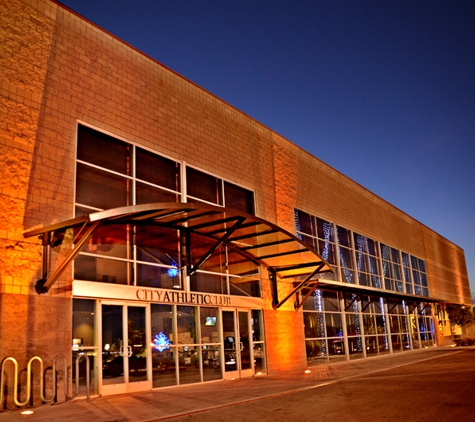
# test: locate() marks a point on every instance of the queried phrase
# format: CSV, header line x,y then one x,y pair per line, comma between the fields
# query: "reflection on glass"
x,y
83,323
371,343
316,351
163,353
336,348
257,332
211,356
314,324
229,340
84,319
104,270
245,349
259,358
238,198
334,325
186,328
208,283
245,286
189,358
99,189
211,349
158,277
355,347
137,344
112,345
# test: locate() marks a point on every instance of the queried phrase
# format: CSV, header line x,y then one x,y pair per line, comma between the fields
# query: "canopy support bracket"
x,y
223,239
310,292
44,285
276,304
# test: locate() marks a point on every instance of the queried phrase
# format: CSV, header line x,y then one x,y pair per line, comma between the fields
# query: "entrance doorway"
x,y
238,354
124,349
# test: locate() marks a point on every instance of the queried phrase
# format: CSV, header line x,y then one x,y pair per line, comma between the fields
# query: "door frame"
x,y
238,344
126,386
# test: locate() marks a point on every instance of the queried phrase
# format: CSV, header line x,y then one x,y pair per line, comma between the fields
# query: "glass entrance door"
x,y
124,349
238,359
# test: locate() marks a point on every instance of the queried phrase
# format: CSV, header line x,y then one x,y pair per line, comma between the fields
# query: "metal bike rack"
x,y
28,389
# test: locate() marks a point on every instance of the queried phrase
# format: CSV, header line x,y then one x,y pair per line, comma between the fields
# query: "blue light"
x,y
172,272
161,342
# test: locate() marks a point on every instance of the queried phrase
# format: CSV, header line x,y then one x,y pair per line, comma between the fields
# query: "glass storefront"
x,y
151,345
373,325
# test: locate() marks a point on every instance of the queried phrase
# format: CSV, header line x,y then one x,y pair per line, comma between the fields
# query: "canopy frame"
x,y
264,243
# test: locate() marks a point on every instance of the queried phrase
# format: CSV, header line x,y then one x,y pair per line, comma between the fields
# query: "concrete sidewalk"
x,y
172,402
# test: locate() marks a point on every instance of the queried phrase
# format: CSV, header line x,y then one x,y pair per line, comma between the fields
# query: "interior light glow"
x,y
161,342
27,412
308,371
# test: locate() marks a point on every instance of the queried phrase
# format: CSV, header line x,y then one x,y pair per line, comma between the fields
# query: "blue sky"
x,y
383,91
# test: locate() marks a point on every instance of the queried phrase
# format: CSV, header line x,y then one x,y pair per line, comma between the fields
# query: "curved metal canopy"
x,y
259,240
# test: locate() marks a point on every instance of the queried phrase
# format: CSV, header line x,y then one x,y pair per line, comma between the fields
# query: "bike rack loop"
x,y
42,376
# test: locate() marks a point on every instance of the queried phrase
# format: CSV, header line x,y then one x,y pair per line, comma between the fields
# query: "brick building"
x,y
173,239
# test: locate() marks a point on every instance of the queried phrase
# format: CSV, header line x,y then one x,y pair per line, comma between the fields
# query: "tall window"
x,y
111,173
346,255
375,325
392,269
400,336
323,327
360,259
319,234
353,325
419,276
367,261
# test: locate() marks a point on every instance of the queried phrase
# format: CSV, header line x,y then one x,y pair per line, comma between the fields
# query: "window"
x,y
345,255
323,328
375,325
203,187
360,259
185,337
367,261
238,198
206,188
399,324
319,234
353,326
392,269
112,173
419,276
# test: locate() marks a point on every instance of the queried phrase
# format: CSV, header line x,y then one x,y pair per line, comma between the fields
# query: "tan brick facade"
x,y
56,70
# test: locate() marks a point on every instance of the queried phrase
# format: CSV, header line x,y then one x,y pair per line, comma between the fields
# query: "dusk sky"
x,y
383,91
